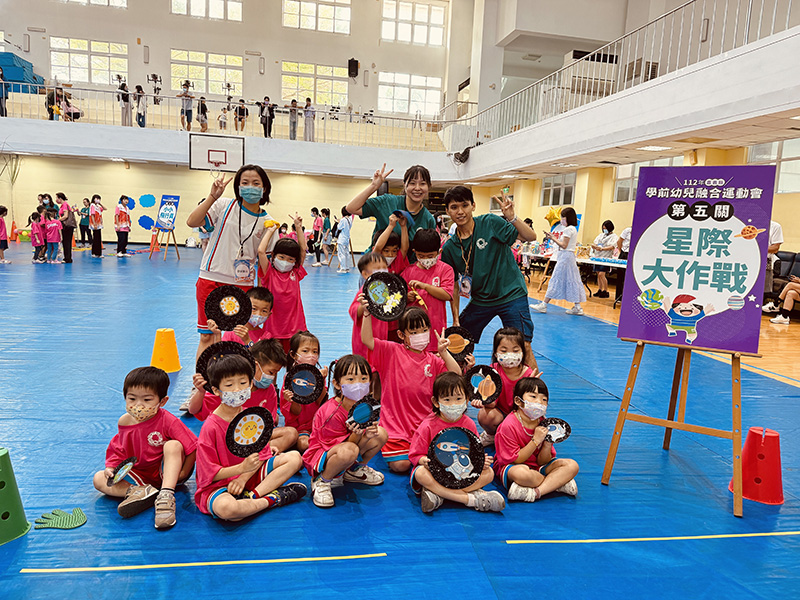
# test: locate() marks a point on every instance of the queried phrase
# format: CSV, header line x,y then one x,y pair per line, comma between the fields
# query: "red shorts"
x,y
395,450
203,288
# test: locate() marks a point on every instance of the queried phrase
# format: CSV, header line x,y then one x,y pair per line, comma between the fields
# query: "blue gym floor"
x,y
70,333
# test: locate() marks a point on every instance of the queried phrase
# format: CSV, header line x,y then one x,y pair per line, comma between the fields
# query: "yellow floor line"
x,y
202,564
660,539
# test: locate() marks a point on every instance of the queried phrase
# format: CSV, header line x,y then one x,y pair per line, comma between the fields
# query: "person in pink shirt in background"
x,y
122,225
431,280
52,235
525,461
3,236
282,276
303,349
37,238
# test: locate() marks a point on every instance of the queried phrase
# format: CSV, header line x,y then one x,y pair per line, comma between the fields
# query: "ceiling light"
x,y
297,172
797,118
508,176
655,148
564,165
471,183
118,159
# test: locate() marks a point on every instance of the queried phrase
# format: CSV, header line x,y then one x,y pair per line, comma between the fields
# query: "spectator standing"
x,y
66,214
267,116
96,224
241,116
775,241
202,114
309,114
603,247
140,100
124,97
86,233
292,119
186,106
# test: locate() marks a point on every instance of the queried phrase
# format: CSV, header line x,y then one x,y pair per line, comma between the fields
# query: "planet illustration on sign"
x,y
749,232
736,302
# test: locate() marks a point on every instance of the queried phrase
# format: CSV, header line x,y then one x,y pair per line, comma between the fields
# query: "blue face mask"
x,y
264,382
251,194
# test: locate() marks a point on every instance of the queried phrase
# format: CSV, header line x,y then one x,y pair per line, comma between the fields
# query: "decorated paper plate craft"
x,y
365,412
228,306
557,429
217,351
305,382
461,342
249,431
121,470
485,383
386,295
456,458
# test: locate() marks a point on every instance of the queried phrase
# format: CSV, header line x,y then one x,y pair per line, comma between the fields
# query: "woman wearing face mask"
x,y
282,275
603,247
525,461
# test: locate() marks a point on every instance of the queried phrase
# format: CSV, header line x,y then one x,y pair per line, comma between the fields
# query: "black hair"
x,y
3,210
315,211
458,193
41,208
260,293
34,217
345,212
61,195
426,240
347,363
568,213
393,240
95,196
287,246
123,197
241,99
269,350
413,318
447,383
265,182
326,212
297,339
52,214
229,365
368,258
528,222
528,385
417,171
609,226
47,197
509,333
150,378
284,226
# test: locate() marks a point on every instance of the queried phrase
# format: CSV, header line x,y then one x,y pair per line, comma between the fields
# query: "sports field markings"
x,y
719,536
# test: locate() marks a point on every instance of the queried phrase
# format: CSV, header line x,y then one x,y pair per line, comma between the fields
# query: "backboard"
x,y
216,152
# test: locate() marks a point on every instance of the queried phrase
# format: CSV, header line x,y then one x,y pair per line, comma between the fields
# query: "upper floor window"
x,y
212,9
112,3
627,176
786,156
410,94
413,22
323,84
332,16
208,72
83,61
558,190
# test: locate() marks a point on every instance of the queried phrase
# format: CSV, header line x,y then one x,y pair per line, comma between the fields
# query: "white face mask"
x,y
389,259
427,263
257,320
235,399
355,391
510,359
534,410
282,266
452,412
419,341
564,222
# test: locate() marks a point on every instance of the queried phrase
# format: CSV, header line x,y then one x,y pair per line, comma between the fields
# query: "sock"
x,y
170,490
471,501
538,493
784,312
325,480
271,498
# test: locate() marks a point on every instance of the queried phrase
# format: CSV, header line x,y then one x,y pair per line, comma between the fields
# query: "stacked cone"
x,y
165,351
761,467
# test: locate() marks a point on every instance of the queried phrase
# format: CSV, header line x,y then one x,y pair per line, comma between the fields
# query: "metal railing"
x,y
457,109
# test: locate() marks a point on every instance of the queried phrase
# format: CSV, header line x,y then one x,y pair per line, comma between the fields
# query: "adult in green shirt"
x,y
416,185
486,272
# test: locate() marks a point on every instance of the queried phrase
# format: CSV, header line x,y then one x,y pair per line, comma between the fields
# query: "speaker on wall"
x,y
352,67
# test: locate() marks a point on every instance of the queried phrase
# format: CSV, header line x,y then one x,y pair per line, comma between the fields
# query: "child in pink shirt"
x,y
52,235
37,239
393,247
449,410
339,450
303,349
230,487
3,236
255,329
282,276
432,280
163,446
407,372
526,463
367,265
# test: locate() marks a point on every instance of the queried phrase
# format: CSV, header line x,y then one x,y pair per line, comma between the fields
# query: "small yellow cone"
x,y
165,351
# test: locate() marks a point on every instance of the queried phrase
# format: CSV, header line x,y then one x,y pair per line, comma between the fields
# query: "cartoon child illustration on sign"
x,y
684,314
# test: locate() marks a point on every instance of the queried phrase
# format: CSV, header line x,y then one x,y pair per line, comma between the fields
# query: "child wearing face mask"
x,y
303,349
163,446
230,487
393,247
508,359
407,373
449,410
368,264
254,330
431,280
339,451
526,463
282,276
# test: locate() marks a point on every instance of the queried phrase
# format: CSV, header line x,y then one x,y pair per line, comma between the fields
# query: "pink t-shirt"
x,y
213,455
123,218
146,442
266,398
256,334
53,231
441,276
318,224
302,422
510,438
427,430
380,329
3,231
506,398
287,316
406,386
37,234
328,430
399,264
64,208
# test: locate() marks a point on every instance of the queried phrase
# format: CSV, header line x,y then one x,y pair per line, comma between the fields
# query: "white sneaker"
x,y
120,254
321,492
540,308
429,501
317,264
488,501
487,439
769,307
570,488
364,474
520,493
780,320
337,481
575,310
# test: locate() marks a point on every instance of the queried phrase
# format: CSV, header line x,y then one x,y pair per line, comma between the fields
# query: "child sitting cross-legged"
x,y
254,330
230,487
163,446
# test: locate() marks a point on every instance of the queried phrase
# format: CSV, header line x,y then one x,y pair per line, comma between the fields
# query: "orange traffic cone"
x,y
165,351
154,246
12,237
761,467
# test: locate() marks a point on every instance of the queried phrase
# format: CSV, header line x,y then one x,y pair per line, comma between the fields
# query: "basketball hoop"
x,y
215,172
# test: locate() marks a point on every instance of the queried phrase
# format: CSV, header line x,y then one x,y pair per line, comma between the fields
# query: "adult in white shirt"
x,y
565,284
775,241
624,245
603,247
309,114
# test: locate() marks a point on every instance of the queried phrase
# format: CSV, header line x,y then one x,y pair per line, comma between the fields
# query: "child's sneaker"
x,y
364,474
137,499
570,488
286,494
337,481
316,264
780,320
488,501
165,509
321,493
520,493
575,310
486,438
540,308
429,501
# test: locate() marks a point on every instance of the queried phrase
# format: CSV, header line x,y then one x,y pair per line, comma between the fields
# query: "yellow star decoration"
x,y
553,215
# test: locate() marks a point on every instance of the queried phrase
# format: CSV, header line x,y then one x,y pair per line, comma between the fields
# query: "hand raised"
x,y
218,187
381,175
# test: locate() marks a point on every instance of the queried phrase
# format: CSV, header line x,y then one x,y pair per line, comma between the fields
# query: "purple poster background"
x,y
697,256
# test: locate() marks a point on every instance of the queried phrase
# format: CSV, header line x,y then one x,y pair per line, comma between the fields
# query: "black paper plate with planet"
x,y
249,431
557,429
386,295
121,470
365,412
461,342
217,351
485,383
228,306
456,458
305,382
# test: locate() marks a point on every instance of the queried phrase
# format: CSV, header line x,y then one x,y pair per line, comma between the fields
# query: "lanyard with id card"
x,y
465,279
244,271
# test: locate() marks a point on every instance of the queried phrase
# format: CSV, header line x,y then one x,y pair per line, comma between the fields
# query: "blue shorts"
x,y
601,269
514,313
502,475
265,470
188,113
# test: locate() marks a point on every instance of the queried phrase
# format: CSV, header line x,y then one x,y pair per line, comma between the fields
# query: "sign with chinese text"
x,y
167,212
698,255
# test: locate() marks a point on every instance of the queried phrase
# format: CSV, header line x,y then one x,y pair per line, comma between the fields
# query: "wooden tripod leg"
x,y
673,397
175,241
166,243
736,380
623,412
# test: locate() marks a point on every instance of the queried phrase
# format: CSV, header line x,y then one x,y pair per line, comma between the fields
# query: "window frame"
x,y
108,3
72,51
339,25
633,179
415,24
229,64
779,161
561,182
318,75
389,80
207,6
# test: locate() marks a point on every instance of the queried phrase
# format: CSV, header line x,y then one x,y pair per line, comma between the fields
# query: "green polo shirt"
x,y
381,207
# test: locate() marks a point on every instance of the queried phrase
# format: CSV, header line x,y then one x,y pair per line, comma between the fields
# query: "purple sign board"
x,y
697,256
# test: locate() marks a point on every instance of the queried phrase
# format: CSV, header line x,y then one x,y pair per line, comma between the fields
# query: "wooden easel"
x,y
158,242
680,381
335,253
